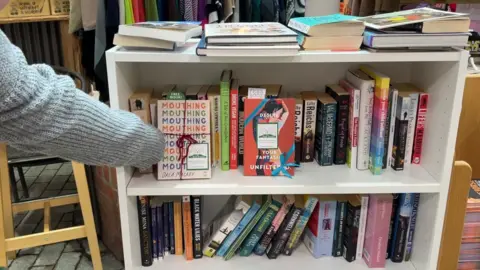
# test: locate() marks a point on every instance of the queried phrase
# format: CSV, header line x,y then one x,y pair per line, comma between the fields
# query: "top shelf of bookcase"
x,y
187,54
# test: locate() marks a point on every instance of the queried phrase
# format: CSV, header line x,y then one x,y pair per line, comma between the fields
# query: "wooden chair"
x,y
9,243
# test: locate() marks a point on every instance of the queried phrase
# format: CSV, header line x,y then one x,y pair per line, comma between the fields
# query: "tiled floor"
x,y
48,181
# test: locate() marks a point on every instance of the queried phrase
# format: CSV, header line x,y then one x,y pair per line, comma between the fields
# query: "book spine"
x,y
241,128
308,141
197,227
298,132
300,27
145,230
420,128
364,128
350,236
341,136
400,135
214,129
177,219
217,120
320,133
171,228
362,225
254,237
387,129
228,242
411,230
187,227
329,135
401,227
233,129
327,213
160,244
339,229
393,102
379,118
297,232
248,229
153,214
272,230
396,198
283,234
353,114
225,125
412,113
166,228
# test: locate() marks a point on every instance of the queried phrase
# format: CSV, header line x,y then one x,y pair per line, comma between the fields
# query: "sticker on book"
x,y
198,157
257,93
267,136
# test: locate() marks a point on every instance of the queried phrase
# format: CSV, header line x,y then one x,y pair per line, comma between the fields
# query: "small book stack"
x,y
157,35
248,39
416,29
336,32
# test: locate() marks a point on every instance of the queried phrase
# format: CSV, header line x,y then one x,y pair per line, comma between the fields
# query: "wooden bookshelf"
x,y
34,19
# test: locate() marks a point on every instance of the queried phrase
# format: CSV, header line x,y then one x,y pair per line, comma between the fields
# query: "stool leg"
x,y
87,213
6,199
3,178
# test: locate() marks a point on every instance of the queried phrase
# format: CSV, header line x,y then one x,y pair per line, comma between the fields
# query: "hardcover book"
x,y
353,117
379,118
326,128
225,119
376,233
166,228
187,227
401,130
411,227
340,218
342,98
170,31
298,129
320,230
145,230
197,226
350,236
284,232
297,232
269,137
214,98
177,219
420,128
392,115
309,125
320,25
265,32
402,220
234,125
365,84
364,199
178,117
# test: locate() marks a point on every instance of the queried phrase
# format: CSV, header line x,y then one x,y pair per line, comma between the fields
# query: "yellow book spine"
x,y
177,220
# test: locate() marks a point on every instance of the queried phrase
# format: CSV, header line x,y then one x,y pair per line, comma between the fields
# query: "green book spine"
x,y
225,121
233,248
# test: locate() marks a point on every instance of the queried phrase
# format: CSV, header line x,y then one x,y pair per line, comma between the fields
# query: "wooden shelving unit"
x,y
34,19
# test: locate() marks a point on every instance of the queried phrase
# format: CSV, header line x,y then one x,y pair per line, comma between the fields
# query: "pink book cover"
x,y
376,233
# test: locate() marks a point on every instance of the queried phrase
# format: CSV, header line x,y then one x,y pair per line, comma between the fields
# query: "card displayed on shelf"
x,y
257,93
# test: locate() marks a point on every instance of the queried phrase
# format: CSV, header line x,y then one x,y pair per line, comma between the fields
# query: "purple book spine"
x,y
153,211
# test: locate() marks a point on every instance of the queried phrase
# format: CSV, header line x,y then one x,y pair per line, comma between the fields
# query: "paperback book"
x,y
342,98
320,230
326,129
297,232
354,112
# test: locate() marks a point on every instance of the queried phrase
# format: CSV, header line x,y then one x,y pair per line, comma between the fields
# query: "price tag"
x,y
257,93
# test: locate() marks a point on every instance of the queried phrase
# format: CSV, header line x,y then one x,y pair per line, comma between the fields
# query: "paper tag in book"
x,y
257,93
174,95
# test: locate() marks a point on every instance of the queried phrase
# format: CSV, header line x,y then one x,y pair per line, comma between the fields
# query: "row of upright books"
x,y
372,228
470,248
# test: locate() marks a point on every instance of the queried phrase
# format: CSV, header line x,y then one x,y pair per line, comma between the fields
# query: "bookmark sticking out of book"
x,y
257,93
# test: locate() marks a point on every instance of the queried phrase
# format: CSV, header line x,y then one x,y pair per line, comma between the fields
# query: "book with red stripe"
x,y
234,124
420,128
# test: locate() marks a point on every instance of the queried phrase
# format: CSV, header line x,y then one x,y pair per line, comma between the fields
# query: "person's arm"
x,y
43,112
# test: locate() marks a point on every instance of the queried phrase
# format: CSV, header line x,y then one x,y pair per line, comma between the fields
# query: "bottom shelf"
x,y
301,259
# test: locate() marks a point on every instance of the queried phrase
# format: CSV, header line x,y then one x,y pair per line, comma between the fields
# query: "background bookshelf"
x,y
442,75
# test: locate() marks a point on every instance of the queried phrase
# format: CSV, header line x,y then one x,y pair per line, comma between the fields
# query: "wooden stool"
x,y
9,243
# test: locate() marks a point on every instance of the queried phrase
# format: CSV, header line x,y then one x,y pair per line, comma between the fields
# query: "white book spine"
x,y
393,115
412,112
362,226
300,27
354,113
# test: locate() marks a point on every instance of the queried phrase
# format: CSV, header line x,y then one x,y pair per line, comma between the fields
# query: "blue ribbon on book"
x,y
255,112
283,167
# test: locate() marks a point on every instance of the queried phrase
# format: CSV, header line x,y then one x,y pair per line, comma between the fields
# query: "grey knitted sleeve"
x,y
43,112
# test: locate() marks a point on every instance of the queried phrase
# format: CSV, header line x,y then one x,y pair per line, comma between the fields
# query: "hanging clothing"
x,y
75,16
236,11
89,13
129,17
201,10
151,10
282,12
195,9
138,10
299,8
289,9
246,11
121,5
269,11
188,10
228,10
256,17
161,10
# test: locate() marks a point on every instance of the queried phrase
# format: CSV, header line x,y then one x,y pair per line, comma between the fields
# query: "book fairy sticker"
x,y
198,157
257,93
267,136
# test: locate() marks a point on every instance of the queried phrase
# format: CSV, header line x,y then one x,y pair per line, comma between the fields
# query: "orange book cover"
x,y
187,228
177,221
269,137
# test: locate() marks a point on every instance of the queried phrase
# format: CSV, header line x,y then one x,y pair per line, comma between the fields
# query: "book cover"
x,y
379,118
309,125
225,119
254,237
411,227
213,220
401,130
364,199
350,236
248,228
145,230
242,95
353,116
246,30
226,228
153,214
387,128
297,232
402,220
197,226
341,215
214,98
167,30
234,125
177,220
320,230
187,227
396,199
365,84
283,233
171,228
304,24
376,233
325,130
166,228
420,128
392,115
267,238
269,137
298,129
342,97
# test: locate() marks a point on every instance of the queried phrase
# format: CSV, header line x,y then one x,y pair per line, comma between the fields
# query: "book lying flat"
x,y
376,39
345,43
226,33
330,25
169,31
143,42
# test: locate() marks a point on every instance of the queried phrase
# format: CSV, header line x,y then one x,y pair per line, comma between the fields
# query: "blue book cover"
x,y
153,213
171,229
402,222
238,230
333,18
160,241
166,233
320,231
411,229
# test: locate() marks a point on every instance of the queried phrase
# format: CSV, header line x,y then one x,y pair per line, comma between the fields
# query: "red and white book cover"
x,y
420,128
234,125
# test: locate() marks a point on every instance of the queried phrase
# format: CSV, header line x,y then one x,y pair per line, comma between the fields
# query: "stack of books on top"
x,y
158,35
421,28
248,39
470,249
335,32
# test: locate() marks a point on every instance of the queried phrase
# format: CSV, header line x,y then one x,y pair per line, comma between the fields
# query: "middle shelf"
x,y
308,179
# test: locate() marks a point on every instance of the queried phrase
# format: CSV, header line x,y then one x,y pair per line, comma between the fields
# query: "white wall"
x,y
321,7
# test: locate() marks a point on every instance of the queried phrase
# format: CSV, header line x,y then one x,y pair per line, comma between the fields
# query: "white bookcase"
x,y
441,74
